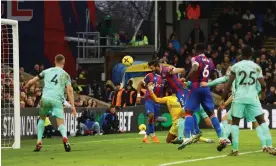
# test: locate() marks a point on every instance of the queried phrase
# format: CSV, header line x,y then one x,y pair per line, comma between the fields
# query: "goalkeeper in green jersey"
x,y
55,80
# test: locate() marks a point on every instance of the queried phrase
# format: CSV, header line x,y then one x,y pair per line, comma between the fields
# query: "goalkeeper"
x,y
176,133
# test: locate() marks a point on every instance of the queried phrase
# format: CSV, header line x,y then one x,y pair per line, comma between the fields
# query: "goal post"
x,y
10,109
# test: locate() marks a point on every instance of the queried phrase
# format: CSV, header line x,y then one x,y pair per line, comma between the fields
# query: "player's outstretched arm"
x,y
217,81
32,81
177,70
139,87
228,85
228,101
154,97
70,92
225,104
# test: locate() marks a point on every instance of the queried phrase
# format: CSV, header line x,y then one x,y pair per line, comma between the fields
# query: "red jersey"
x,y
172,79
158,84
205,68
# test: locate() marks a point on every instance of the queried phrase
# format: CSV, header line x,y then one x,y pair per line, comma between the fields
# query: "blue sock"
x,y
150,128
216,125
196,127
189,126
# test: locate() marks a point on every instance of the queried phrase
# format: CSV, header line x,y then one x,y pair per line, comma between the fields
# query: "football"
x,y
142,127
127,60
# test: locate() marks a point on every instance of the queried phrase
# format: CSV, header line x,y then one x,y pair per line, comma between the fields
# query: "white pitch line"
x,y
205,158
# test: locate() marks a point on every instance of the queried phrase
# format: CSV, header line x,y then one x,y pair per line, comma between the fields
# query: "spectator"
x,y
122,38
263,63
35,72
48,128
30,102
41,68
175,42
110,122
120,97
131,94
272,56
215,58
76,88
193,11
270,92
248,19
139,39
82,82
23,96
91,103
21,70
271,99
181,59
269,22
109,91
197,34
87,125
22,104
208,52
180,12
226,63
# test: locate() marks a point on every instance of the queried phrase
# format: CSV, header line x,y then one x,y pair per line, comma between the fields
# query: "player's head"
x,y
59,60
246,52
154,66
200,48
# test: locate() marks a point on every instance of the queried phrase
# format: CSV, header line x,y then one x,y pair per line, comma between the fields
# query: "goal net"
x,y
10,86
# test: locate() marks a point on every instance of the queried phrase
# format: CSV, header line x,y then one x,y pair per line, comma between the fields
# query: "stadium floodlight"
x,y
10,85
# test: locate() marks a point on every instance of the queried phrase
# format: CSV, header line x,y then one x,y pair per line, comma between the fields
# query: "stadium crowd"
x,y
232,31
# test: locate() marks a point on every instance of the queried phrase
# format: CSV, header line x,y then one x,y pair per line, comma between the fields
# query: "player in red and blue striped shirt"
x,y
201,70
152,108
170,74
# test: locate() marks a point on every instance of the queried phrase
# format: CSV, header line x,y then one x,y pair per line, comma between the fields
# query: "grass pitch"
x,y
128,150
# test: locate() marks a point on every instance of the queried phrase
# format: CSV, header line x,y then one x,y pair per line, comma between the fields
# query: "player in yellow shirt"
x,y
177,114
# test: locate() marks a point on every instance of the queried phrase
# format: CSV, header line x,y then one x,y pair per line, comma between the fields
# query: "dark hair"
x,y
153,63
200,48
112,106
59,58
246,52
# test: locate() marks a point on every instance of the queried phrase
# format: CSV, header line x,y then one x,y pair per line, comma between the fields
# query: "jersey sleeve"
x,y
67,80
259,72
146,79
42,74
234,69
194,61
218,81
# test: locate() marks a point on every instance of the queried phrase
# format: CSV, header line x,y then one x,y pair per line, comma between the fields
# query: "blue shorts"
x,y
182,97
199,96
152,107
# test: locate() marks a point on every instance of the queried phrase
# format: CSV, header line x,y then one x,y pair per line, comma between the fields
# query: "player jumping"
x,y
55,79
152,108
246,101
202,67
